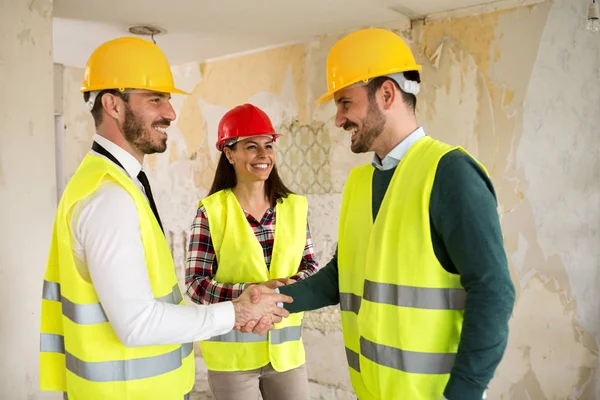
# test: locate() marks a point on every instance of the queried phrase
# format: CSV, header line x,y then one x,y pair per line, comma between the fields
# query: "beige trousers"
x,y
249,385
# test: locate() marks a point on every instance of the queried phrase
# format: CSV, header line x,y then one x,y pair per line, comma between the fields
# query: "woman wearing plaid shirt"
x,y
234,244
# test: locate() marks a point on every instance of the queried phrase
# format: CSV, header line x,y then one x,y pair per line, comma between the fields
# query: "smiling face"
x,y
147,117
360,116
252,158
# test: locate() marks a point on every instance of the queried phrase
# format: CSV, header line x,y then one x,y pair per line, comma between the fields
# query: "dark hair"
x,y
225,178
97,109
409,99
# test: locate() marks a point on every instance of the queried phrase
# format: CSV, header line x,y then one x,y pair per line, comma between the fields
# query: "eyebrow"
x,y
159,94
253,142
343,98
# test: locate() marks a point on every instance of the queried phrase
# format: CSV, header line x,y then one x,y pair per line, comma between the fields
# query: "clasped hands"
x,y
256,309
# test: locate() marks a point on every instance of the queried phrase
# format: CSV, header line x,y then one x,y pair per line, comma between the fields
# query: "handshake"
x,y
256,309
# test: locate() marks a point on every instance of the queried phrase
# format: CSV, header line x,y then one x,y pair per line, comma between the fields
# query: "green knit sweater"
x,y
467,240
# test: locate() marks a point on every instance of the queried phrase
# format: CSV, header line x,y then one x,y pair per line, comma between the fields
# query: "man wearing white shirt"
x,y
114,324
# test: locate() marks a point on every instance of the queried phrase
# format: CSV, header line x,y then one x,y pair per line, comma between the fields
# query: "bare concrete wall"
x,y
517,88
27,187
78,122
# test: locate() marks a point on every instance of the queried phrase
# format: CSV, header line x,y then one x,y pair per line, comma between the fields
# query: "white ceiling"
x,y
197,30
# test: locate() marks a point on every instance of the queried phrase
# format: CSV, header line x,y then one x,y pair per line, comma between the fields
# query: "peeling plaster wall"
x,y
559,170
517,88
27,188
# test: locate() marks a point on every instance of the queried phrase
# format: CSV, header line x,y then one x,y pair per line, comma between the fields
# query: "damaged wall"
x,y
517,88
27,188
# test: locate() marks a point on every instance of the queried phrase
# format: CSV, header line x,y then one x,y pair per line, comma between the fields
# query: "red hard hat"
x,y
242,122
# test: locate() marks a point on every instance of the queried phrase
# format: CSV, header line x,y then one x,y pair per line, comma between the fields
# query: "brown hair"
x,y
97,109
409,99
225,178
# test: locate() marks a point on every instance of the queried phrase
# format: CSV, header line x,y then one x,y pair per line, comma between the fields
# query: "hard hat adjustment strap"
x,y
411,87
407,86
92,100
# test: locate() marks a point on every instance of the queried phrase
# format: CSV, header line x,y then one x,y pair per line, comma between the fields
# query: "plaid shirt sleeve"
x,y
308,265
202,267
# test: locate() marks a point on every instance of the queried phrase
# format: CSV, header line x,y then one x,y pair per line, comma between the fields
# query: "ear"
x,y
388,93
229,154
113,106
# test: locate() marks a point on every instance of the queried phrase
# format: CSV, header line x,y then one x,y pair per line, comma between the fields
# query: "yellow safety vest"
x,y
241,259
402,312
80,352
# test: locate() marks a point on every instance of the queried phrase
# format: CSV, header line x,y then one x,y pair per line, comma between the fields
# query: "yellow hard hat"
x,y
129,63
363,55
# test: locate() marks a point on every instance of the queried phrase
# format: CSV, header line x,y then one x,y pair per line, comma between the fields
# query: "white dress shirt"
x,y
108,251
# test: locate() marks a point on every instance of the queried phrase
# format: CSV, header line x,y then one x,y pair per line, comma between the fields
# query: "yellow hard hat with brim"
x,y
129,63
363,55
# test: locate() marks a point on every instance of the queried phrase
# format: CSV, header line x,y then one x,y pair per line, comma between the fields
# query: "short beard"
x,y
373,124
139,136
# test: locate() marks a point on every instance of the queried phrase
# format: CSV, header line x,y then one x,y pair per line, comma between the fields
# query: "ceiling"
x,y
197,30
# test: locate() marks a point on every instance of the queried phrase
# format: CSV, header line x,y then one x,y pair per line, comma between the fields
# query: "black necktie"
x,y
144,180
141,176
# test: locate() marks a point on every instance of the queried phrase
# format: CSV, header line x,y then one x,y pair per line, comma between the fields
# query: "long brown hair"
x,y
225,178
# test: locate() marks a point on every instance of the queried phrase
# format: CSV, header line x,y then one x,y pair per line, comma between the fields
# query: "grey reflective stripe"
x,y
52,343
93,313
121,370
350,302
186,349
407,361
172,298
415,297
51,291
287,334
278,336
353,359
237,336
83,314
185,396
125,370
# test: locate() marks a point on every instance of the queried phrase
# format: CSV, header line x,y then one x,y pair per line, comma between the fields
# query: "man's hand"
x,y
275,283
255,296
261,315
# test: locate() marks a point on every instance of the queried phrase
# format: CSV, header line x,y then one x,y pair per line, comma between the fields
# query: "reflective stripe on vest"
x,y
80,352
402,312
406,296
415,297
353,359
350,302
108,371
278,336
407,361
185,396
117,370
87,314
403,296
230,234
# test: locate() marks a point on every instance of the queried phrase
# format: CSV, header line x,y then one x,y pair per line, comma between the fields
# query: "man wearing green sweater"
x,y
420,270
